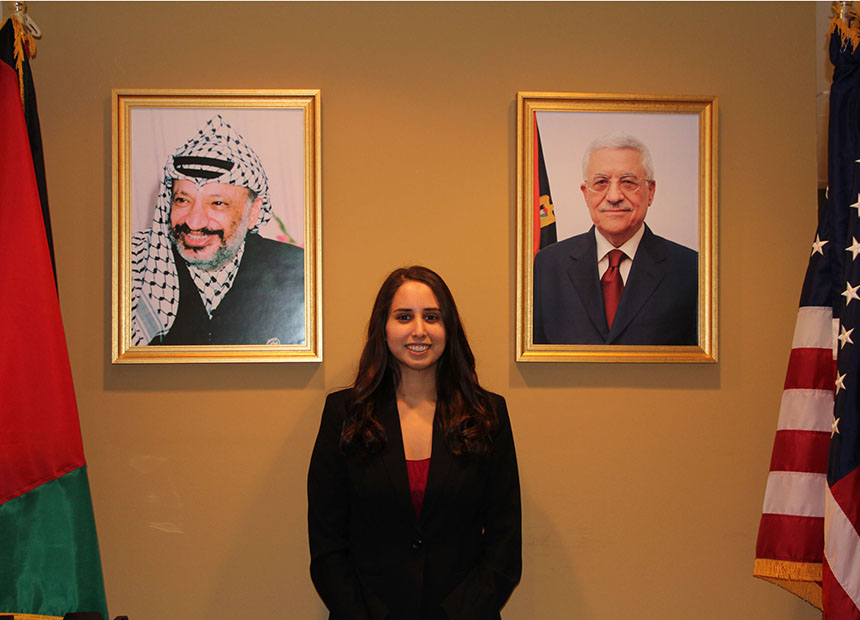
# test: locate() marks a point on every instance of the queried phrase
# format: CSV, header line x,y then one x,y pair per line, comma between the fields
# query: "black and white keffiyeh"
x,y
213,284
216,154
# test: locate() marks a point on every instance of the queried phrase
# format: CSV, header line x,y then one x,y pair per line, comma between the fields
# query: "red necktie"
x,y
612,285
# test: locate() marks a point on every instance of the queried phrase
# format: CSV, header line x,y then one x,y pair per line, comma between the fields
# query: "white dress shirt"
x,y
629,248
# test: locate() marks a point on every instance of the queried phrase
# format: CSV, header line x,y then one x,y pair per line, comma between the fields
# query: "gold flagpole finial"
x,y
24,38
18,9
845,21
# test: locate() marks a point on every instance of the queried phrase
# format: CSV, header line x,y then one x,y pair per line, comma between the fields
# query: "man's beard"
x,y
226,250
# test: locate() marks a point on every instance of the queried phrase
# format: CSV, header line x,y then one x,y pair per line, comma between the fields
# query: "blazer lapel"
x,y
646,273
583,273
394,456
440,468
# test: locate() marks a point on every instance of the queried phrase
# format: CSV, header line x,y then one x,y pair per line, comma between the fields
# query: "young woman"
x,y
413,491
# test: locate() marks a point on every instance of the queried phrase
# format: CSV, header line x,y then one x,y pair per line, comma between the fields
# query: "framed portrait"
x,y
616,228
216,226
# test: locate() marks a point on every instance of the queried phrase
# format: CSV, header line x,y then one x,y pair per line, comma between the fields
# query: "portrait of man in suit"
x,y
618,283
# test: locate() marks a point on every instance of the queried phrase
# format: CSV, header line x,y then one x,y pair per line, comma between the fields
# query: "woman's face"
x,y
414,331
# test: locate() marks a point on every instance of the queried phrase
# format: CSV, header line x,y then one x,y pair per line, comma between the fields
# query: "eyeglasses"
x,y
628,184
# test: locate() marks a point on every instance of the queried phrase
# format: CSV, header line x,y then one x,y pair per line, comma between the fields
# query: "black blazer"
x,y
371,558
659,305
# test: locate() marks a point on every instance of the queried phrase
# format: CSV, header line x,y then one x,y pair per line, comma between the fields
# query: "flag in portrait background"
x,y
49,557
808,535
544,212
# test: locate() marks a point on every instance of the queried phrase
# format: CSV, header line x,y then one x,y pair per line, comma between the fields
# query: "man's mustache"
x,y
615,207
184,228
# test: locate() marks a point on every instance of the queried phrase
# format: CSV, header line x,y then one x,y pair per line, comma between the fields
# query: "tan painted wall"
x,y
649,510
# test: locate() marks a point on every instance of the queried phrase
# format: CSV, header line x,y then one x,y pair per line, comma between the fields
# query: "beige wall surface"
x,y
642,484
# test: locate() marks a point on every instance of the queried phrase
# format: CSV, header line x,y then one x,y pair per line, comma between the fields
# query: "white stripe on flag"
x,y
835,341
842,548
806,410
814,329
794,493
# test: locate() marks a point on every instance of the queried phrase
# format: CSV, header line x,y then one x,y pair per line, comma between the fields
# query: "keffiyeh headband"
x,y
216,154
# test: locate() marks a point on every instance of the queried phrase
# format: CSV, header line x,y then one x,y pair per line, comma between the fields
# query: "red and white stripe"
x,y
841,587
791,533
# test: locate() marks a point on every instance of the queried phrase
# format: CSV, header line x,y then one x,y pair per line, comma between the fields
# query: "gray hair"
x,y
619,140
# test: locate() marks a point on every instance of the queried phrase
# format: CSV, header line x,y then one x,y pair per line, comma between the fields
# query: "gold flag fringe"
x,y
802,579
24,42
845,22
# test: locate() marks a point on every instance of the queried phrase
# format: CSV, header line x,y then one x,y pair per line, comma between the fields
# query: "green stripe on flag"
x,y
49,553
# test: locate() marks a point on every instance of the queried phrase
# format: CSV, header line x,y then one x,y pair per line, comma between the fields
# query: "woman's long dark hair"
x,y
464,409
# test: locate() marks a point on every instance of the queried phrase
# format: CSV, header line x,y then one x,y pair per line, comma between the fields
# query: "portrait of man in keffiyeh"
x,y
201,274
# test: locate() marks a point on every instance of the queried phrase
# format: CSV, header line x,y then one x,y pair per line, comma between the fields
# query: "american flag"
x,y
808,537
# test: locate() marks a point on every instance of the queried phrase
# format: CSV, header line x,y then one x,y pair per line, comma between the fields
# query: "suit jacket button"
x,y
416,544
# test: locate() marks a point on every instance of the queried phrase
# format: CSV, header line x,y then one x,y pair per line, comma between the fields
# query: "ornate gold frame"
x,y
705,109
123,101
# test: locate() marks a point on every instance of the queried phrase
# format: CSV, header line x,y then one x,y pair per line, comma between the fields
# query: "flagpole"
x,y
18,10
846,10
845,22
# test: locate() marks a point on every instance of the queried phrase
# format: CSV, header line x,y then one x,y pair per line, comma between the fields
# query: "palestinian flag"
x,y
544,211
49,557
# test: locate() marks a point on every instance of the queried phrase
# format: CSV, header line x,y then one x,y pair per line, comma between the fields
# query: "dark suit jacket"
x,y
266,301
659,305
371,558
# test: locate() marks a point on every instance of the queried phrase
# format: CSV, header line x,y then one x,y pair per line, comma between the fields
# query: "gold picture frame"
x,y
554,131
275,314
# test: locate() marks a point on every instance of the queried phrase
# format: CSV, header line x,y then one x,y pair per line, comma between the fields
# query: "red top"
x,y
418,471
